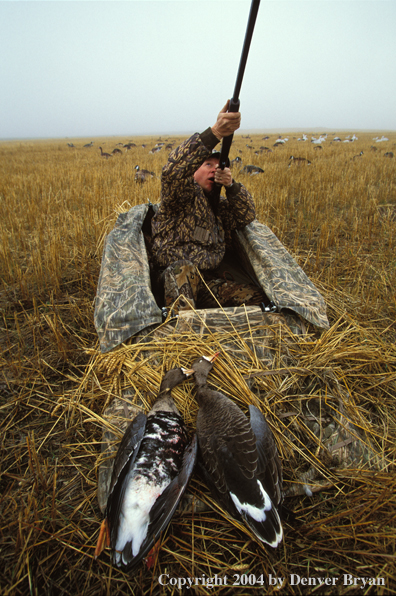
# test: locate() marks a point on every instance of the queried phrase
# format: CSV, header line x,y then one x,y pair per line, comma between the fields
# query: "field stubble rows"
x,y
337,217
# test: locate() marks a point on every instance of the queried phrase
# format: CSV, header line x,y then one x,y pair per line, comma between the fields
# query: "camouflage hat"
x,y
214,155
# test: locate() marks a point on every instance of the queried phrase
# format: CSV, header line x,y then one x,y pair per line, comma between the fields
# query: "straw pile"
x,y
55,387
50,464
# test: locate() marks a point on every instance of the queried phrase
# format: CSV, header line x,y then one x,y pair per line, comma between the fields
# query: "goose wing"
x,y
124,459
246,500
226,432
253,504
164,507
269,468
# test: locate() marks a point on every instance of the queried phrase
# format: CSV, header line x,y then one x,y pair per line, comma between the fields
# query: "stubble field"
x,y
336,216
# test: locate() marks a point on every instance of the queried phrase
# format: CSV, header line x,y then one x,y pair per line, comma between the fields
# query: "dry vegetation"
x,y
338,219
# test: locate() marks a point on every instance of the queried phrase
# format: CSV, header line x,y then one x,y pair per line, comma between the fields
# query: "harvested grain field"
x,y
336,216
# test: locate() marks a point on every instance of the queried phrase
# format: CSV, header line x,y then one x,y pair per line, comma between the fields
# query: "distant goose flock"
x,y
317,141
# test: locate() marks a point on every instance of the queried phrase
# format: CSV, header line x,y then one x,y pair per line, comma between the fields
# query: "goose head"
x,y
202,366
174,377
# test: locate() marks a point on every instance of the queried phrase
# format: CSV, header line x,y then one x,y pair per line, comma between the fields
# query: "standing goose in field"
x,y
152,468
103,154
357,156
299,161
252,170
240,460
143,175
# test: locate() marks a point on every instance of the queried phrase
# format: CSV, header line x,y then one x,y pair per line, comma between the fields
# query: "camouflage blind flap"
x,y
124,303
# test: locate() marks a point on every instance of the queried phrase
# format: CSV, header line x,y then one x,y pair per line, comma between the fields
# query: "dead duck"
x,y
142,175
152,468
239,458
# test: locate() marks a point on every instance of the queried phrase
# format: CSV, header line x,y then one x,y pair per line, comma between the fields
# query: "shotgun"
x,y
234,101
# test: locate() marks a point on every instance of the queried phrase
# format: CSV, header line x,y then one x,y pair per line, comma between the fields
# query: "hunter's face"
x,y
205,174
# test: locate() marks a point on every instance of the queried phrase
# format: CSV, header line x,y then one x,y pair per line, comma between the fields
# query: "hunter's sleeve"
x,y
177,174
238,208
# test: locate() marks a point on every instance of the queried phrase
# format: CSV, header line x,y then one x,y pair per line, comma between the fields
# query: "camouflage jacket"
x,y
185,226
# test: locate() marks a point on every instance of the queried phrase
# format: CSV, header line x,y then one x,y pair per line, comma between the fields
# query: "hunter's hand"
x,y
223,177
227,123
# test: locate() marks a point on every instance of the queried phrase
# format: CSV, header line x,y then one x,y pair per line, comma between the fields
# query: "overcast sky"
x,y
93,68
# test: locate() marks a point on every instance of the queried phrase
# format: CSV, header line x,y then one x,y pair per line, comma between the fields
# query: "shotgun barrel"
x,y
234,101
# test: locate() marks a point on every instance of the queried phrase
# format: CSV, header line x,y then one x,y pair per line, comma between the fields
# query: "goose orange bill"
x,y
212,358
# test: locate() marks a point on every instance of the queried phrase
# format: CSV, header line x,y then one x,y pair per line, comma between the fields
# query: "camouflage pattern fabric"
x,y
189,224
229,293
124,302
281,278
182,279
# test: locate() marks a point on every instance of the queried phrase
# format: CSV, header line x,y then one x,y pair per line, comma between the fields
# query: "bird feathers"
x,y
239,459
152,468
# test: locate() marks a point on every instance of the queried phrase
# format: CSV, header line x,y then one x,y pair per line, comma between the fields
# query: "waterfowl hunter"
x,y
240,460
151,471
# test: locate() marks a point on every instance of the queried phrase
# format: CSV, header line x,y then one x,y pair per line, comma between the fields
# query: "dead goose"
x,y
151,471
239,458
